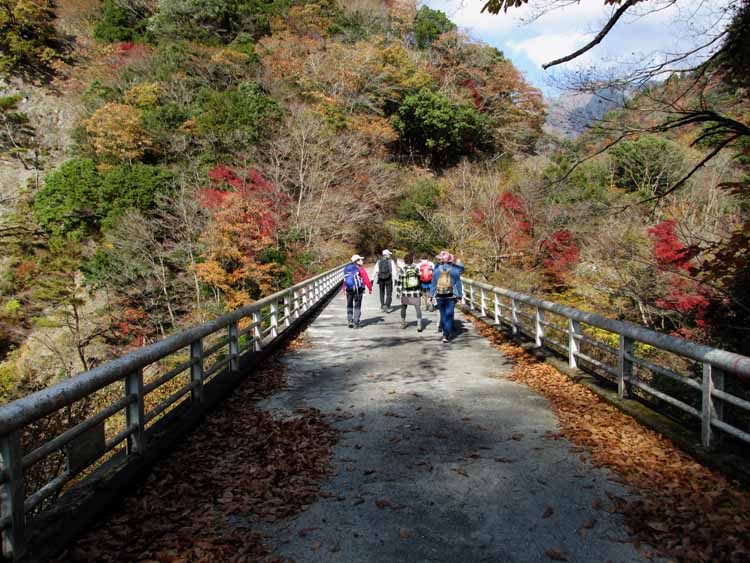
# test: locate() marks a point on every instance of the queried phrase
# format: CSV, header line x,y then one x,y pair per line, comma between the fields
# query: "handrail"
x,y
22,411
625,363
269,318
728,361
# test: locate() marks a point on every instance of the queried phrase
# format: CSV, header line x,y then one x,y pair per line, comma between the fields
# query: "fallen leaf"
x,y
503,460
556,555
304,531
460,472
597,504
384,504
315,545
405,533
588,524
549,511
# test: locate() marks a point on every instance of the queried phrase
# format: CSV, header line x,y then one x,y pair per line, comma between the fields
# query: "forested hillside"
x,y
218,151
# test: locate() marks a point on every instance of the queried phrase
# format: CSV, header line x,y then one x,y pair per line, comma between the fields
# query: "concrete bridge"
x,y
441,456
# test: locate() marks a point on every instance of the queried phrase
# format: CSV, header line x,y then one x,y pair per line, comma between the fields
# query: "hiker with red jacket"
x,y
425,277
355,282
446,289
409,290
384,272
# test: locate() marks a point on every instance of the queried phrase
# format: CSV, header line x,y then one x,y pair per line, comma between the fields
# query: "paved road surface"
x,y
441,459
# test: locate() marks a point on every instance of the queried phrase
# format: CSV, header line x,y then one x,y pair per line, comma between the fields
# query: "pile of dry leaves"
x,y
685,511
200,504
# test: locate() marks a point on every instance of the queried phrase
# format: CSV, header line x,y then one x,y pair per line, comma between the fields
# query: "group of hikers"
x,y
421,285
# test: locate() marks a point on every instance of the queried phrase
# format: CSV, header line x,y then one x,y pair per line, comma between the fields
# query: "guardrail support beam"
x,y
12,496
713,378
496,304
624,365
257,332
539,328
574,329
134,417
514,317
234,347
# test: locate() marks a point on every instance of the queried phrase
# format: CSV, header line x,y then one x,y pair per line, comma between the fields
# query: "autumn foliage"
x,y
246,212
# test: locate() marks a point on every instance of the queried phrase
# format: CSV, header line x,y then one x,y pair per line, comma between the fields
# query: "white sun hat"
x,y
357,257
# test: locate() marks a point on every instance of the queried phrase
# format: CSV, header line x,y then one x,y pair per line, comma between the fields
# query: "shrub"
x,y
429,25
118,24
76,199
29,42
432,125
236,116
650,165
422,195
131,186
214,21
116,133
68,203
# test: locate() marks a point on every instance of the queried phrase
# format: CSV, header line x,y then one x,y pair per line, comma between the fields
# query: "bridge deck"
x,y
441,457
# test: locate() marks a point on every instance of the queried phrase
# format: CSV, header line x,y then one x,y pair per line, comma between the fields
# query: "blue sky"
x,y
636,37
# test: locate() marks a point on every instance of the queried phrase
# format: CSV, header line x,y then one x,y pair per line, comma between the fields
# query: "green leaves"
x,y
77,199
432,125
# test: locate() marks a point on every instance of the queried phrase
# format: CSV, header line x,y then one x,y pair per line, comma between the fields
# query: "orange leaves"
x,y
116,133
685,510
201,503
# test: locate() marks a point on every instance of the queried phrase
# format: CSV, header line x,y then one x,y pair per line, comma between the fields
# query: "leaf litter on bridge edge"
x,y
685,510
200,504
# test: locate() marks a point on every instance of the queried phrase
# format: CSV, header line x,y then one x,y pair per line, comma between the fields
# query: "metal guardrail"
x,y
252,327
526,315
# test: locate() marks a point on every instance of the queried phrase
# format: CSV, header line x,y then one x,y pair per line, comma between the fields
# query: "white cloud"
x,y
549,46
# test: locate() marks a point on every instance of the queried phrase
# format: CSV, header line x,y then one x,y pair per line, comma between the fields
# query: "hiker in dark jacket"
x,y
384,272
409,290
354,285
446,289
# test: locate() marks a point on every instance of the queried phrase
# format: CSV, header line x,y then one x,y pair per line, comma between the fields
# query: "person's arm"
x,y
433,283
365,278
460,266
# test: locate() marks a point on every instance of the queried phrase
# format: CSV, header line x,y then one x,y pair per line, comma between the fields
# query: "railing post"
x,y
514,316
296,303
539,327
496,303
574,329
12,496
713,378
257,332
274,319
624,365
471,297
483,301
234,347
196,370
134,412
287,311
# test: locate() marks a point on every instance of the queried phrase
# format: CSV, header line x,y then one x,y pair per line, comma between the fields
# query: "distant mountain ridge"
x,y
572,113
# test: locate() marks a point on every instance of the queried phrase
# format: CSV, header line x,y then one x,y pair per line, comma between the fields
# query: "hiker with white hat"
x,y
355,282
384,272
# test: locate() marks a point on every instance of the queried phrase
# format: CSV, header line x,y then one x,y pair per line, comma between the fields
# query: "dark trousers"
x,y
386,292
354,306
447,309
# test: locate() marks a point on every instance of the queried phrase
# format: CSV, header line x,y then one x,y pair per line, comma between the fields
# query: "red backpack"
x,y
425,272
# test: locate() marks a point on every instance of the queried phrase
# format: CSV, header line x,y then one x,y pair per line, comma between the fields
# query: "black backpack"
x,y
384,269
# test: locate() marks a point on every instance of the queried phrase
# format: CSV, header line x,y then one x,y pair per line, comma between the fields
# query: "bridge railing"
x,y
194,356
715,378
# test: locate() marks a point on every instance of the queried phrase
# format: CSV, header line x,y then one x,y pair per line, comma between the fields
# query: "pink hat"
x,y
445,256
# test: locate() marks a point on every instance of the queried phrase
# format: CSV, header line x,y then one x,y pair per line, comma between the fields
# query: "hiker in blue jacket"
x,y
354,285
446,289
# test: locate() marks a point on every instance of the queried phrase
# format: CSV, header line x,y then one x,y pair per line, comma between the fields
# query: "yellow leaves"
x,y
144,95
116,133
